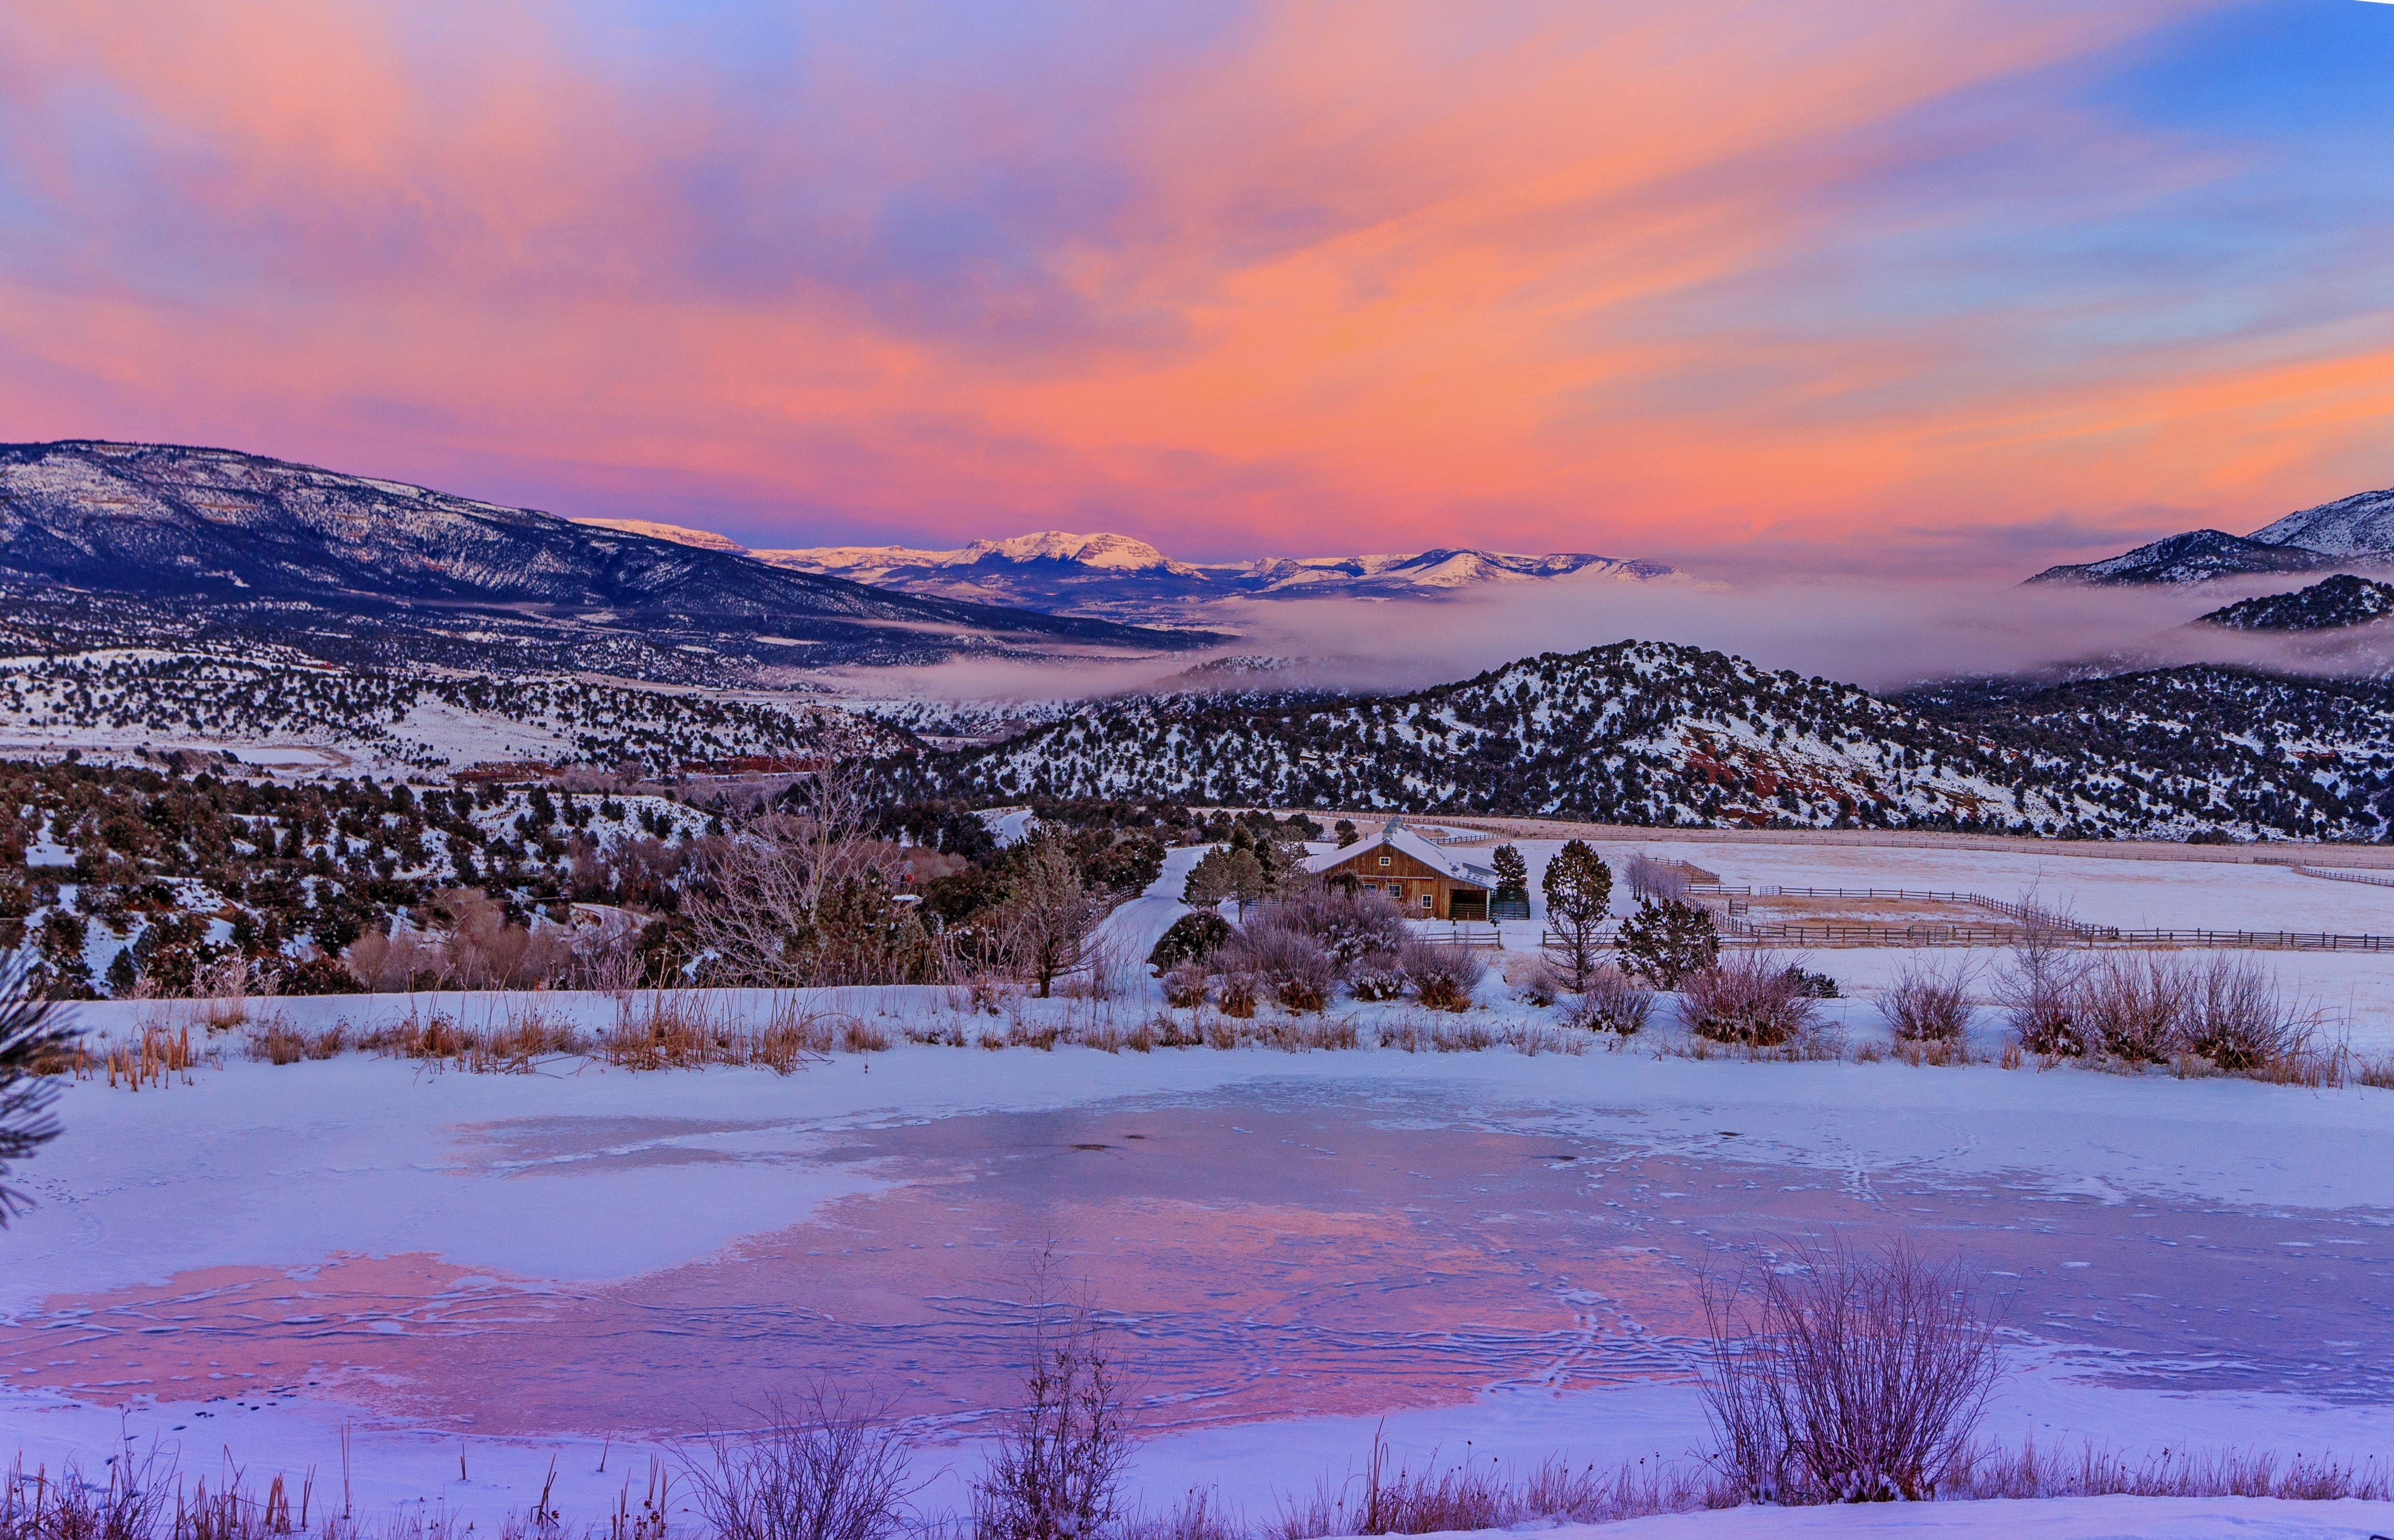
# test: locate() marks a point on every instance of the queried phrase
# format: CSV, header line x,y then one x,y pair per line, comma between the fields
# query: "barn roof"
x,y
1396,837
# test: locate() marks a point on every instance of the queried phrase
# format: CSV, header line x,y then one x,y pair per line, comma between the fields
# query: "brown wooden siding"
x,y
1412,880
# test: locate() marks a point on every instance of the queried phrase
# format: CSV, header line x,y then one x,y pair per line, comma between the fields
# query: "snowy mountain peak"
x,y
2362,524
1105,552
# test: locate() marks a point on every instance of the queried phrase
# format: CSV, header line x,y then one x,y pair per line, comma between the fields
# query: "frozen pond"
x,y
1269,1247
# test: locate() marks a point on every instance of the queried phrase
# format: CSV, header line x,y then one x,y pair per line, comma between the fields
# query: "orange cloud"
x,y
1288,278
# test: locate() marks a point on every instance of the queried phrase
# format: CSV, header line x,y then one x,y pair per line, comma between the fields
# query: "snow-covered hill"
x,y
2339,601
212,530
1646,732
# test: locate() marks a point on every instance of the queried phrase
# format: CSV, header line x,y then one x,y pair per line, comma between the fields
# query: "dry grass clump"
x,y
1391,1497
1849,1378
1443,976
154,1056
515,1045
1532,1039
681,1030
1416,1034
1927,1004
276,1041
2101,1473
1752,999
1611,1002
1237,999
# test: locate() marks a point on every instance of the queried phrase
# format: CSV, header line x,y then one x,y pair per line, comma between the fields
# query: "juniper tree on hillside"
x,y
1579,899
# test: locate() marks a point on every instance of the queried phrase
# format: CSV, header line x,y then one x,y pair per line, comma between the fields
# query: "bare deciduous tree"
x,y
1048,911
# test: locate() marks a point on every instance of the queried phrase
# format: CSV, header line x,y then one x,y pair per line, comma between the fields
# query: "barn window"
x,y
1386,861
1425,900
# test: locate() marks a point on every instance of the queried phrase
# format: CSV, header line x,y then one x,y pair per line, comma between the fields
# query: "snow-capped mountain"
x,y
1129,579
281,551
2356,530
1654,734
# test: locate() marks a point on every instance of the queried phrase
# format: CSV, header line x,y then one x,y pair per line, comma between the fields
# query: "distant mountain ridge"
x,y
1129,579
294,552
2358,530
1123,578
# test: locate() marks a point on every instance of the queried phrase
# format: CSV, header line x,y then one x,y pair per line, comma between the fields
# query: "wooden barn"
x,y
1426,882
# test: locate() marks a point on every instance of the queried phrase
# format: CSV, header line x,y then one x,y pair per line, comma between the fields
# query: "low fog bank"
x,y
1884,635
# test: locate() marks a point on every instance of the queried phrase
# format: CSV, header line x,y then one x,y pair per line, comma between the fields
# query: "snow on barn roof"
x,y
1396,837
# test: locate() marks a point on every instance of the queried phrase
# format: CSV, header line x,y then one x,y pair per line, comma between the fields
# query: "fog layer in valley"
x,y
1884,635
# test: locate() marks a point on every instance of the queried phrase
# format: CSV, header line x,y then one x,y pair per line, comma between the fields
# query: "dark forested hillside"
x,y
1645,733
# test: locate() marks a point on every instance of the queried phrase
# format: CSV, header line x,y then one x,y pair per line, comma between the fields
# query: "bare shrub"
x,y
1534,980
1611,1002
1848,1377
823,1468
1057,1470
1347,923
1926,1004
1442,975
1185,985
1289,963
2133,1007
1237,998
1752,998
1379,976
2242,1020
2037,986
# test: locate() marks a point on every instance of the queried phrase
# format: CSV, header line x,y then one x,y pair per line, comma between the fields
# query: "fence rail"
x,y
2344,876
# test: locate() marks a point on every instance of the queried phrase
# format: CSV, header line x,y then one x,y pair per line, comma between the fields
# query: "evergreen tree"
x,y
1667,939
1579,899
1513,873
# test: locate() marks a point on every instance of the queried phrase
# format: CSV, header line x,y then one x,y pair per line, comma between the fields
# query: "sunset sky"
x,y
1957,288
